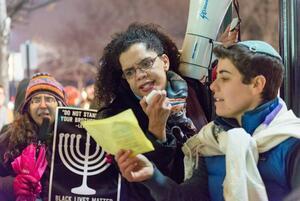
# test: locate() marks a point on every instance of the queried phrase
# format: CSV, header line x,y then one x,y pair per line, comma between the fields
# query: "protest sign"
x,y
79,170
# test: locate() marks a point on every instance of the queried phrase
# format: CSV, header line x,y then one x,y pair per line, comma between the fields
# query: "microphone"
x,y
44,129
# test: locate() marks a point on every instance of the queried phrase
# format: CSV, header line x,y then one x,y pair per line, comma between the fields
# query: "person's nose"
x,y
213,86
43,103
140,74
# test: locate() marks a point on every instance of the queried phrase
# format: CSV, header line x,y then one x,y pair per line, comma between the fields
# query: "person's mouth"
x,y
44,114
147,87
218,99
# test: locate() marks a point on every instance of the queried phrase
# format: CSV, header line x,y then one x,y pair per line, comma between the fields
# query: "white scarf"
x,y
242,181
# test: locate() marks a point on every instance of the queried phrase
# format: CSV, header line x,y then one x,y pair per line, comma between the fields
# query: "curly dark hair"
x,y
21,132
109,74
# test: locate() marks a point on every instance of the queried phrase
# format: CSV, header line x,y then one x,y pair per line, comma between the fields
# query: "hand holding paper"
x,y
118,132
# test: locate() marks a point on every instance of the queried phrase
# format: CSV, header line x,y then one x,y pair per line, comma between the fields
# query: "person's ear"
x,y
166,62
259,83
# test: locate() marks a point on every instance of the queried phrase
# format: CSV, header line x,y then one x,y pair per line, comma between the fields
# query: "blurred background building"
x,y
66,37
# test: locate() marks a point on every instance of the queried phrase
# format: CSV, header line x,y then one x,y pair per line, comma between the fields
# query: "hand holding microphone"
x,y
157,108
44,129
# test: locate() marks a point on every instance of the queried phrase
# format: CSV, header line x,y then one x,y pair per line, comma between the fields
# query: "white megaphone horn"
x,y
204,21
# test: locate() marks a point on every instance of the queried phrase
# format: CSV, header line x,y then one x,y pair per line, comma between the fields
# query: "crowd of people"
x,y
249,151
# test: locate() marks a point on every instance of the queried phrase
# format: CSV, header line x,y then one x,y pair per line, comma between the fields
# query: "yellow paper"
x,y
121,131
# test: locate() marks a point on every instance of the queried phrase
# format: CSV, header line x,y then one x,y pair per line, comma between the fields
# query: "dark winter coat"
x,y
167,157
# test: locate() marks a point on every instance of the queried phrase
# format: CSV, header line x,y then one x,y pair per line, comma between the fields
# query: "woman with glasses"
x,y
29,137
136,62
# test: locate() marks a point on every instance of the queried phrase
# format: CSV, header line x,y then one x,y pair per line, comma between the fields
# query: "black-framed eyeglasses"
x,y
49,100
144,65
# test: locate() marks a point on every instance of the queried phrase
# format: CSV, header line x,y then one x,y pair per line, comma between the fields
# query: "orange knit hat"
x,y
43,82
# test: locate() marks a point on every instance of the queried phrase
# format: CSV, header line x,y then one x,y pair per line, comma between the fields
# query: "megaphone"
x,y
204,21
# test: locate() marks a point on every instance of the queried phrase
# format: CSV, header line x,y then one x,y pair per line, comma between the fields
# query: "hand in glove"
x,y
26,185
29,170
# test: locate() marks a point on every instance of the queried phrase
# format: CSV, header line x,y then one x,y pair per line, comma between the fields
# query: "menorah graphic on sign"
x,y
82,164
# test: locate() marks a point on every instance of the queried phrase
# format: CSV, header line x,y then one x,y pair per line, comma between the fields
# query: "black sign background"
x,y
62,180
